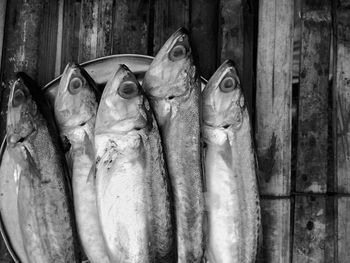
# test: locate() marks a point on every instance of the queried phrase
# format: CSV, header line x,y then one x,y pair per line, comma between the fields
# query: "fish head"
x,y
76,99
123,107
223,100
171,69
21,114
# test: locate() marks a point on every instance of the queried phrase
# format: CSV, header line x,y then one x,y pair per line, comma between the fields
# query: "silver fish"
x,y
45,215
75,110
132,184
173,87
231,183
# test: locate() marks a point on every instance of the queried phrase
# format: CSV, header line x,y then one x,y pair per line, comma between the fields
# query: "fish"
x,y
44,199
232,197
133,189
9,182
173,87
75,110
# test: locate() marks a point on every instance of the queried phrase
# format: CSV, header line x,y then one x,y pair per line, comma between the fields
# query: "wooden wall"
x,y
302,130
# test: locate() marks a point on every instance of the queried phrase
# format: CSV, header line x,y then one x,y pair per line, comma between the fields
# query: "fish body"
x,y
9,183
231,183
76,105
45,216
132,185
173,88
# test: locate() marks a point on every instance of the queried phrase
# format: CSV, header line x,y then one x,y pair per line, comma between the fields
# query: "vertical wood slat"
x,y
313,229
59,38
313,97
131,26
88,30
48,42
231,32
342,99
2,25
105,28
273,96
70,34
276,231
169,16
343,227
204,27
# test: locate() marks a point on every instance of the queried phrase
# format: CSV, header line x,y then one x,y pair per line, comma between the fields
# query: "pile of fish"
x,y
155,173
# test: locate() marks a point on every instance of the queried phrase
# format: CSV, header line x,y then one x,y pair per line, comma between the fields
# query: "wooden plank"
x,y
70,34
48,42
343,226
273,96
88,30
204,35
59,38
276,241
105,28
231,32
130,26
168,17
2,25
313,229
342,97
313,97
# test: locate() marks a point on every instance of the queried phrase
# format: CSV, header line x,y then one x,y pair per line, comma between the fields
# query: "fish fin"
x,y
32,167
92,174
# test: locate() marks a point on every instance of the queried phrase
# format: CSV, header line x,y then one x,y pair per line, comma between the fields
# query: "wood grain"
x,y
204,35
273,96
48,42
343,229
313,97
276,231
168,17
70,34
131,26
2,25
342,97
314,229
105,29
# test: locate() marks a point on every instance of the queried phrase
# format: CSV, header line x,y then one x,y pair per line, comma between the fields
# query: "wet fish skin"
x,y
75,110
9,183
173,86
132,193
46,220
232,190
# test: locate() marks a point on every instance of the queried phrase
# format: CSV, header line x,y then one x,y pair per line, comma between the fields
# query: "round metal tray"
x,y
101,70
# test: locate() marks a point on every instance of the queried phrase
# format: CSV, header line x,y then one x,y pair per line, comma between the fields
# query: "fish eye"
x,y
75,85
228,84
128,90
18,98
177,52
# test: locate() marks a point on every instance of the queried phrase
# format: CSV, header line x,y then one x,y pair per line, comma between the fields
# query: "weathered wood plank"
x,y
204,34
105,28
70,34
343,226
313,97
168,17
48,42
59,38
130,26
342,98
276,241
231,37
313,229
273,96
88,30
2,25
